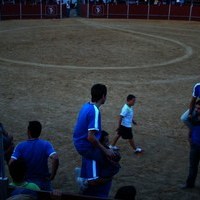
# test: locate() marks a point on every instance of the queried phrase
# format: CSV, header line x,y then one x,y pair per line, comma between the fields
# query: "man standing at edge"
x,y
186,116
194,139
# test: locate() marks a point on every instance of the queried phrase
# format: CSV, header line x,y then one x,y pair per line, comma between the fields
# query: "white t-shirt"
x,y
127,114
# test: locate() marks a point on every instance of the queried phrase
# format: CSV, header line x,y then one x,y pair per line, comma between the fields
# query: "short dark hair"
x,y
35,128
97,92
130,97
17,170
198,102
126,193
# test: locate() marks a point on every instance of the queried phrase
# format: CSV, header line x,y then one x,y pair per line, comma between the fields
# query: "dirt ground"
x,y
47,68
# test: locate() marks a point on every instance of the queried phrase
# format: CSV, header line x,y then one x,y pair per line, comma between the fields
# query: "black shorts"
x,y
125,132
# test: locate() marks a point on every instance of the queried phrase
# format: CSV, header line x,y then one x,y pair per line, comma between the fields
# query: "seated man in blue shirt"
x,y
194,139
35,153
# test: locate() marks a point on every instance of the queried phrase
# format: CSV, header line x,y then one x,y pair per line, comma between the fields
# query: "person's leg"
x,y
89,180
116,138
193,169
90,171
135,148
132,143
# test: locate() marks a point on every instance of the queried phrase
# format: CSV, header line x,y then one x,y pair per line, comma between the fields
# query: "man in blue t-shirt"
x,y
185,117
35,152
87,133
194,139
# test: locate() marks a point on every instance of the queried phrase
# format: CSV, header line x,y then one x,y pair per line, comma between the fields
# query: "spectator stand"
x,y
142,9
32,9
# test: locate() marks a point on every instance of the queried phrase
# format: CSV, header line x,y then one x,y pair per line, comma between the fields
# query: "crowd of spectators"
x,y
73,3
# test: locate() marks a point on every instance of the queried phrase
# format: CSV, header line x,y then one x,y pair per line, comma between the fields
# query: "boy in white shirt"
x,y
125,124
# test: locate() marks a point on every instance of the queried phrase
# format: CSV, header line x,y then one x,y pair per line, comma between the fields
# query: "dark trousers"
x,y
194,163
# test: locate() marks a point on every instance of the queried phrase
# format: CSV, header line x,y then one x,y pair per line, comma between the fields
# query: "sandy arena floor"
x,y
48,66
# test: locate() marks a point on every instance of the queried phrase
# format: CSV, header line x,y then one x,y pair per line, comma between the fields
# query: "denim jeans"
x,y
194,163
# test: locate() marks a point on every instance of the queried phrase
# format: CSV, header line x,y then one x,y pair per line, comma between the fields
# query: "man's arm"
x,y
11,160
192,105
91,138
134,122
55,163
120,121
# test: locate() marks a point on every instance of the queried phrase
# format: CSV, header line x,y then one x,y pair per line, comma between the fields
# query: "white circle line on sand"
x,y
187,54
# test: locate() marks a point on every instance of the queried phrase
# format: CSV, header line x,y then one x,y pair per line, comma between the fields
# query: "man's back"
x,y
35,153
89,119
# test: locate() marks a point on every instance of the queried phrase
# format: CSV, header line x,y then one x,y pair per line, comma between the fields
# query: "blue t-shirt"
x,y
196,135
35,153
89,119
127,113
196,91
195,130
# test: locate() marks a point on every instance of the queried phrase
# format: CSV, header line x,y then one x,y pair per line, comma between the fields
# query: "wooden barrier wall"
x,y
174,12
20,11
43,195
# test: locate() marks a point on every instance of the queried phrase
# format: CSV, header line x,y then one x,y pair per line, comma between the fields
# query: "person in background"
x,y
186,116
8,145
126,119
194,140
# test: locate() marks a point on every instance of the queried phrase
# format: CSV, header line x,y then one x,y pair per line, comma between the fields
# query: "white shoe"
x,y
138,150
113,147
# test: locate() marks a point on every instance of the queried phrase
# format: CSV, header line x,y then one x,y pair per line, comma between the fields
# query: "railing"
x,y
39,11
109,10
128,11
62,196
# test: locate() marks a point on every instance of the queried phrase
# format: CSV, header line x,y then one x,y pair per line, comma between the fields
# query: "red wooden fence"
x,y
40,11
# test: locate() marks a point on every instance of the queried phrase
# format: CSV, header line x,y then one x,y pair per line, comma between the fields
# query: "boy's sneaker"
x,y
82,183
138,150
113,147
